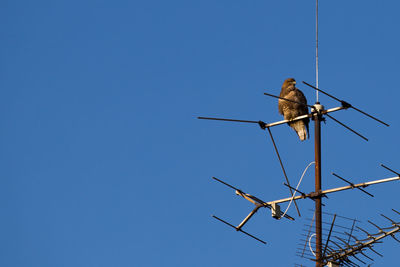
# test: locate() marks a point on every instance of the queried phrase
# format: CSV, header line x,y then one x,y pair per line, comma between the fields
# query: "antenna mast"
x,y
316,49
318,203
317,145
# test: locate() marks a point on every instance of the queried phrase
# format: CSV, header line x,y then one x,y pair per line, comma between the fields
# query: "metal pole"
x,y
318,211
316,47
317,134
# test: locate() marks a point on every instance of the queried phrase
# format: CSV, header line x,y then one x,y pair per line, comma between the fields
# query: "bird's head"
x,y
290,81
289,84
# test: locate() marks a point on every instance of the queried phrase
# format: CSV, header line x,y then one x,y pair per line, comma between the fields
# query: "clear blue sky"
x,y
103,162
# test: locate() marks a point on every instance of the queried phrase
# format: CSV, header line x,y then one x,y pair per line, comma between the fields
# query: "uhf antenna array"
x,y
343,249
318,114
340,226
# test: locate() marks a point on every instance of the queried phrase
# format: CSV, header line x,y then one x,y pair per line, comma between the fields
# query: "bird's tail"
x,y
301,129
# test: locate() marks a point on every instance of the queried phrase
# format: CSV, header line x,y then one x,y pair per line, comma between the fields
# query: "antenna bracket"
x,y
345,104
318,107
314,195
276,211
262,124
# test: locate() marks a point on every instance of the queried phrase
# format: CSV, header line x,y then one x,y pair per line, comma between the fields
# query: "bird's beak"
x,y
294,82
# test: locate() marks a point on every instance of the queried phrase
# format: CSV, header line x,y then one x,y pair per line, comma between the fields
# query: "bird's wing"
x,y
299,97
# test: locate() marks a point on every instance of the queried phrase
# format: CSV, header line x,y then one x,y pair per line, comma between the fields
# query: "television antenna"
x,y
318,114
324,255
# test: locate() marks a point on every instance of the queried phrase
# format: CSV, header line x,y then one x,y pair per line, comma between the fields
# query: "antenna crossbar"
x,y
255,200
333,190
360,185
272,124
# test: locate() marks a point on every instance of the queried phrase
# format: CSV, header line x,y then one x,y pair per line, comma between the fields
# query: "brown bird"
x,y
291,110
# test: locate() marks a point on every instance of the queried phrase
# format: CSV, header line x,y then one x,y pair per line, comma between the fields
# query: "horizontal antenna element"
x,y
341,178
290,100
345,104
240,230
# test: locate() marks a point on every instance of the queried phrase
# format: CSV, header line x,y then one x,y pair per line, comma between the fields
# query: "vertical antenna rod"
x,y
318,209
317,134
316,47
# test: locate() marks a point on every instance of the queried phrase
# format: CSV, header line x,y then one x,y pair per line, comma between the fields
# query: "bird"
x,y
291,110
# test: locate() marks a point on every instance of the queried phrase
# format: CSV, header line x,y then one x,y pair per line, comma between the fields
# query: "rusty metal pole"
x,y
318,210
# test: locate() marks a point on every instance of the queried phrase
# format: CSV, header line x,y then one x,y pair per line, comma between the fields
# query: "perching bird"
x,y
291,110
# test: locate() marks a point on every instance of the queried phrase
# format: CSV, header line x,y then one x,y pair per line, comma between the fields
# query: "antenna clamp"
x,y
318,107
